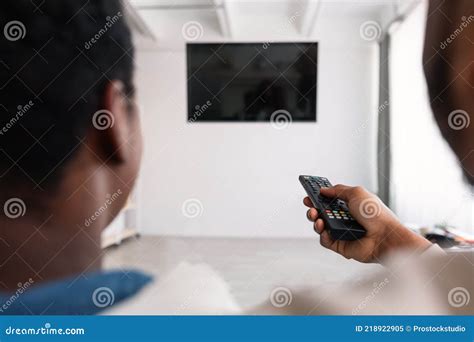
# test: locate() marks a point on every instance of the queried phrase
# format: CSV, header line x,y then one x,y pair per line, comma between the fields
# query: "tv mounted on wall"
x,y
238,82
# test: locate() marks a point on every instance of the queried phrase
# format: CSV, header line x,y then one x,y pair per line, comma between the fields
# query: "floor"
x,y
252,267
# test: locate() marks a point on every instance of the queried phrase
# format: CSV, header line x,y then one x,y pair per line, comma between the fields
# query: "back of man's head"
x,y
449,69
56,57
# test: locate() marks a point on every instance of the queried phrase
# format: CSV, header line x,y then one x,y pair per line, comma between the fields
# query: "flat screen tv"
x,y
251,81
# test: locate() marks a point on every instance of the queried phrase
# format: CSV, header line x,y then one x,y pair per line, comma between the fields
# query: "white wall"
x,y
246,174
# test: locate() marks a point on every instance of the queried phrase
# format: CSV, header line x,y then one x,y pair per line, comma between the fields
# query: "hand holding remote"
x,y
385,233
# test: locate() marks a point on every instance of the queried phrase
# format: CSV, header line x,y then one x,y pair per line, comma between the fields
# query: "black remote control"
x,y
334,212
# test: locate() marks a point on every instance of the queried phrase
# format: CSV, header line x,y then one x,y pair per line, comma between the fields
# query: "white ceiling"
x,y
173,22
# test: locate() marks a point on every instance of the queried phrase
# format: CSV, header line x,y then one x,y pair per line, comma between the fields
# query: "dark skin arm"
x,y
385,233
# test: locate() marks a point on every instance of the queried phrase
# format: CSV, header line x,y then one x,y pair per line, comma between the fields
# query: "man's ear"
x,y
110,125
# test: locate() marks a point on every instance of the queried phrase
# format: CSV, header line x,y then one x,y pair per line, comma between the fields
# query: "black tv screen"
x,y
251,81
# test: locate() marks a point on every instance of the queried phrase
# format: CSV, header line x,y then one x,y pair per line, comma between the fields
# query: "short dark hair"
x,y
56,58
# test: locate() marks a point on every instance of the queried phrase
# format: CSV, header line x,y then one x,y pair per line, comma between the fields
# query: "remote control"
x,y
334,212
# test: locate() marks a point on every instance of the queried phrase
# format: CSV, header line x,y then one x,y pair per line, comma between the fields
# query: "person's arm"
x,y
385,233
